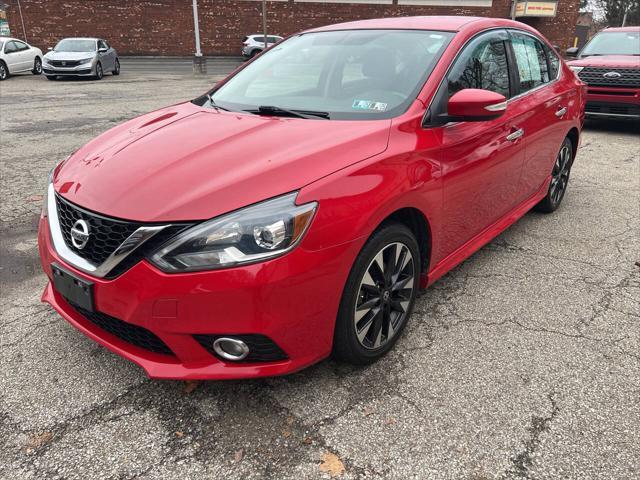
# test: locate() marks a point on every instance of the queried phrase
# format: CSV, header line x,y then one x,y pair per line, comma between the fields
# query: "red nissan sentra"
x,y
293,212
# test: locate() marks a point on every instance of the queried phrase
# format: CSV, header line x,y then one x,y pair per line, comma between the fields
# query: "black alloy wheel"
x,y
378,296
559,179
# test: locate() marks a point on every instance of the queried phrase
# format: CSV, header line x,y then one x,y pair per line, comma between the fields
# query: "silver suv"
x,y
254,44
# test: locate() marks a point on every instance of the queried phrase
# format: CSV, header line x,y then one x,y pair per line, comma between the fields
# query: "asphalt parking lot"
x,y
523,362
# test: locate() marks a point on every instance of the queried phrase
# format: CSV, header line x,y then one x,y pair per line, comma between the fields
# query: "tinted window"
x,y
11,47
554,63
351,74
483,64
258,39
531,61
272,39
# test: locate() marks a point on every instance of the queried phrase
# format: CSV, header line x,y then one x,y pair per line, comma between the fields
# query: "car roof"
x,y
81,38
622,29
262,34
442,23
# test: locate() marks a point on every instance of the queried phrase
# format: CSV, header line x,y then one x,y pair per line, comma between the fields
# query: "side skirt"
x,y
484,237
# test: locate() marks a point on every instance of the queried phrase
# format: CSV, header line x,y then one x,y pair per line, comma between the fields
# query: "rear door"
x,y
546,101
481,161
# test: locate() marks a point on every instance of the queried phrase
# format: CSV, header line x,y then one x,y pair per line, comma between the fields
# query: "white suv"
x,y
254,44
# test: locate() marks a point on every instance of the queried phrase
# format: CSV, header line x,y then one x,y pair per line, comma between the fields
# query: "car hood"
x,y
607,61
190,163
69,55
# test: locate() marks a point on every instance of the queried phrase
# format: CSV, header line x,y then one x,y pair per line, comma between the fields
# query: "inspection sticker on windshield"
x,y
369,105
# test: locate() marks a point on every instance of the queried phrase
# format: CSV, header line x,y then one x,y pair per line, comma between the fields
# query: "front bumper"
x,y
613,102
293,300
77,71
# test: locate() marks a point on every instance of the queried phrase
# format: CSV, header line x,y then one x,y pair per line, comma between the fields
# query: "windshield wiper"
x,y
214,104
273,110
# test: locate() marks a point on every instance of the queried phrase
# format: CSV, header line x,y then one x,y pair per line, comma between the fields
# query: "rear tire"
x,y
559,179
378,296
4,71
116,69
37,66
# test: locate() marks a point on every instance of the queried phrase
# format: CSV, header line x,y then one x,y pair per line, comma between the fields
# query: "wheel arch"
x,y
417,222
574,136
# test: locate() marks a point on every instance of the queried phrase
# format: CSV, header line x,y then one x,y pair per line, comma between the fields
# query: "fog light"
x,y
230,348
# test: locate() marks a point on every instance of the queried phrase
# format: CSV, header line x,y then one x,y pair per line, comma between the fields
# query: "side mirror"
x,y
475,105
571,52
102,50
50,49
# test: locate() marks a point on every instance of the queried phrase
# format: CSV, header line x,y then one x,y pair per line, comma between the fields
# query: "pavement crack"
x,y
521,463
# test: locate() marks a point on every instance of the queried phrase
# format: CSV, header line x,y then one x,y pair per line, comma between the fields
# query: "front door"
x,y
481,161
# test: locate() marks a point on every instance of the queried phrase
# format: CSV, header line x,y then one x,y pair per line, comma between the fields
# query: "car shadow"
x,y
613,126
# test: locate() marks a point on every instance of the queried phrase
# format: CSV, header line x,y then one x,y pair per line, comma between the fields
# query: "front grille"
x,y
594,76
63,63
106,234
133,334
613,108
261,348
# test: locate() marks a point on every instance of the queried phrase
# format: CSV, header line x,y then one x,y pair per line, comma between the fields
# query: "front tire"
x,y
37,66
99,72
559,179
378,297
116,69
4,71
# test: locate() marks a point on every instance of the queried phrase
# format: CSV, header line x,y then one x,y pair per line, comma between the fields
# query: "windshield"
x,y
356,74
75,45
613,43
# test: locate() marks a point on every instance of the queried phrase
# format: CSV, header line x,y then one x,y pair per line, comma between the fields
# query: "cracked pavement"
x,y
523,362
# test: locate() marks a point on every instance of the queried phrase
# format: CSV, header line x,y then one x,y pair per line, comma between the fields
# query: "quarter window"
x,y
554,63
482,65
531,61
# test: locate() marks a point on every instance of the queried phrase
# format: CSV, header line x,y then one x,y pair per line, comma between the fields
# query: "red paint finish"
x,y
190,163
623,98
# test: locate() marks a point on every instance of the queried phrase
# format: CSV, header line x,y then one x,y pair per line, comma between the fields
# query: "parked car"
x,y
254,44
81,57
17,56
293,211
610,65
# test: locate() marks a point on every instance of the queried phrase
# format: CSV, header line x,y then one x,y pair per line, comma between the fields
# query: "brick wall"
x,y
165,27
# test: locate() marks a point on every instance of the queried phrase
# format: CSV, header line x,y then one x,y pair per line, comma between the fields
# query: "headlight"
x,y
85,60
248,235
45,200
576,70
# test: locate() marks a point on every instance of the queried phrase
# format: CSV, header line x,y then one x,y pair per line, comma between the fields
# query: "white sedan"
x,y
17,56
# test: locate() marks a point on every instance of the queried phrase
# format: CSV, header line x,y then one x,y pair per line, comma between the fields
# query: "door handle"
x,y
560,113
512,137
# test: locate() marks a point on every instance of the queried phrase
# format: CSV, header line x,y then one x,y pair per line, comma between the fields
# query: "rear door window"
x,y
531,61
